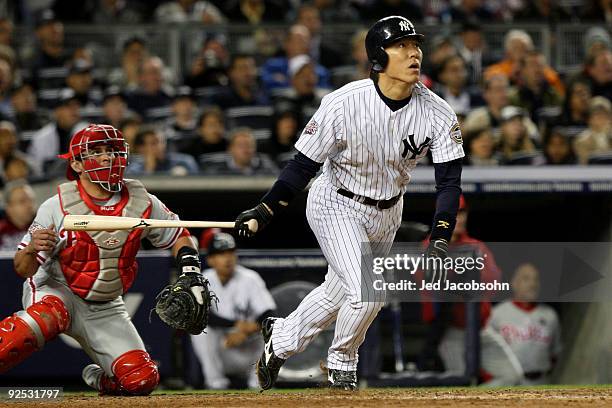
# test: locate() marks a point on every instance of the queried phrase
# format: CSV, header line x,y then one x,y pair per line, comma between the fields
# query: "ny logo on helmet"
x,y
405,26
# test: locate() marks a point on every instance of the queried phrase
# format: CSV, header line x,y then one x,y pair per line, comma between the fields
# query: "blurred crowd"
x,y
239,112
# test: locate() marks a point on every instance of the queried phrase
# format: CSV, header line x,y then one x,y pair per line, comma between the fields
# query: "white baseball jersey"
x,y
369,150
243,297
533,335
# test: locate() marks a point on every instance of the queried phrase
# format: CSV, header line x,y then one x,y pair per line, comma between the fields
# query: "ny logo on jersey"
x,y
405,26
413,148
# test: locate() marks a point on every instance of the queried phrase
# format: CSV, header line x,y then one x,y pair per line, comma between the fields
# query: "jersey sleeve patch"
x,y
455,134
311,128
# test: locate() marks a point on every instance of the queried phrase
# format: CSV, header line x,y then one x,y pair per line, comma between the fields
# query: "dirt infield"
x,y
379,398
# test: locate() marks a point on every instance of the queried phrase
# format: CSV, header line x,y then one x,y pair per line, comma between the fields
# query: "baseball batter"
x,y
74,280
367,136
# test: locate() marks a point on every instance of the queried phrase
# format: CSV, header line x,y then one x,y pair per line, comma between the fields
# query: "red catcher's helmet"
x,y
82,144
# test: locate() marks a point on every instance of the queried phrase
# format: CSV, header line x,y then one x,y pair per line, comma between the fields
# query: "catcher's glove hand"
x,y
261,213
186,304
434,260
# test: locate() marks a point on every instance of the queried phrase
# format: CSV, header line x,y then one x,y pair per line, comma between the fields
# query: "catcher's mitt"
x,y
186,304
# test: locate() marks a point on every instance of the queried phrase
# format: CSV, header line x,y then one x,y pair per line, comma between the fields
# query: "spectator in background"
x,y
495,94
6,85
378,9
152,99
54,138
6,31
530,329
598,70
575,111
542,11
471,46
16,168
48,67
9,144
256,12
533,93
80,80
598,137
360,56
452,87
116,12
152,157
479,143
25,113
20,209
335,11
597,10
304,95
324,53
243,158
557,148
285,132
232,343
134,52
114,107
181,127
210,135
468,10
209,66
243,89
130,127
275,71
596,39
184,11
514,140
517,44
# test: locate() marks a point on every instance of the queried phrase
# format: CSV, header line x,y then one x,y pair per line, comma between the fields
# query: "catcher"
x,y
75,280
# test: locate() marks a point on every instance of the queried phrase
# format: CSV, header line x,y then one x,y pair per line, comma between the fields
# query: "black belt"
x,y
380,204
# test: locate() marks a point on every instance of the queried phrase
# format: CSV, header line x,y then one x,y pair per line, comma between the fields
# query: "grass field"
x,y
549,396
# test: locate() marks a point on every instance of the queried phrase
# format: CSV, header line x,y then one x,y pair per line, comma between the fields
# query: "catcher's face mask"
x,y
104,154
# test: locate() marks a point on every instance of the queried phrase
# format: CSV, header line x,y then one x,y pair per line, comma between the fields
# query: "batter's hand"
x,y
44,239
434,260
262,214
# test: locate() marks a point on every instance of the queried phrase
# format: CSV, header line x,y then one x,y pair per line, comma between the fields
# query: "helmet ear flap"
x,y
381,59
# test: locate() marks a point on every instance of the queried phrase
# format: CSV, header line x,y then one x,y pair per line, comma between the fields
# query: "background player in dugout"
x,y
75,279
232,342
367,136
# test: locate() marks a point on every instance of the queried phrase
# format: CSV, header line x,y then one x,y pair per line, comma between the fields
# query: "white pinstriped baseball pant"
x,y
342,227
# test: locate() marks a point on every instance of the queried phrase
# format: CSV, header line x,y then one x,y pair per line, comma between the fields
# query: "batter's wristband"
x,y
279,196
443,226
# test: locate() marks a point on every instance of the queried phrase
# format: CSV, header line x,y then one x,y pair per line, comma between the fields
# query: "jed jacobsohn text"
x,y
404,285
412,263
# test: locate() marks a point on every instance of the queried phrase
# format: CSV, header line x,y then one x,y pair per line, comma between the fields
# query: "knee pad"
x,y
28,330
136,373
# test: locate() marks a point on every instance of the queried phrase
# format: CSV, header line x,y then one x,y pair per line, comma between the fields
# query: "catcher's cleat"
x,y
268,364
342,380
92,374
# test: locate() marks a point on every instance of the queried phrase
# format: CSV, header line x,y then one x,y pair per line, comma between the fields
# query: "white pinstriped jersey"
x,y
369,149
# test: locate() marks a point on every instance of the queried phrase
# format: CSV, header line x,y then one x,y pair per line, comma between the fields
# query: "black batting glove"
x,y
261,213
434,260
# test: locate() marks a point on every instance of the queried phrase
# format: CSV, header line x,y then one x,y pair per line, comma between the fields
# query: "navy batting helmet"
x,y
384,32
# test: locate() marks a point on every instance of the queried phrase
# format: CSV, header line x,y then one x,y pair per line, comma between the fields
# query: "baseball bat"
x,y
110,223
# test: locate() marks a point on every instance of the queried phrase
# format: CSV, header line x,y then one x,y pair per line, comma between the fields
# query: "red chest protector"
x,y
101,265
